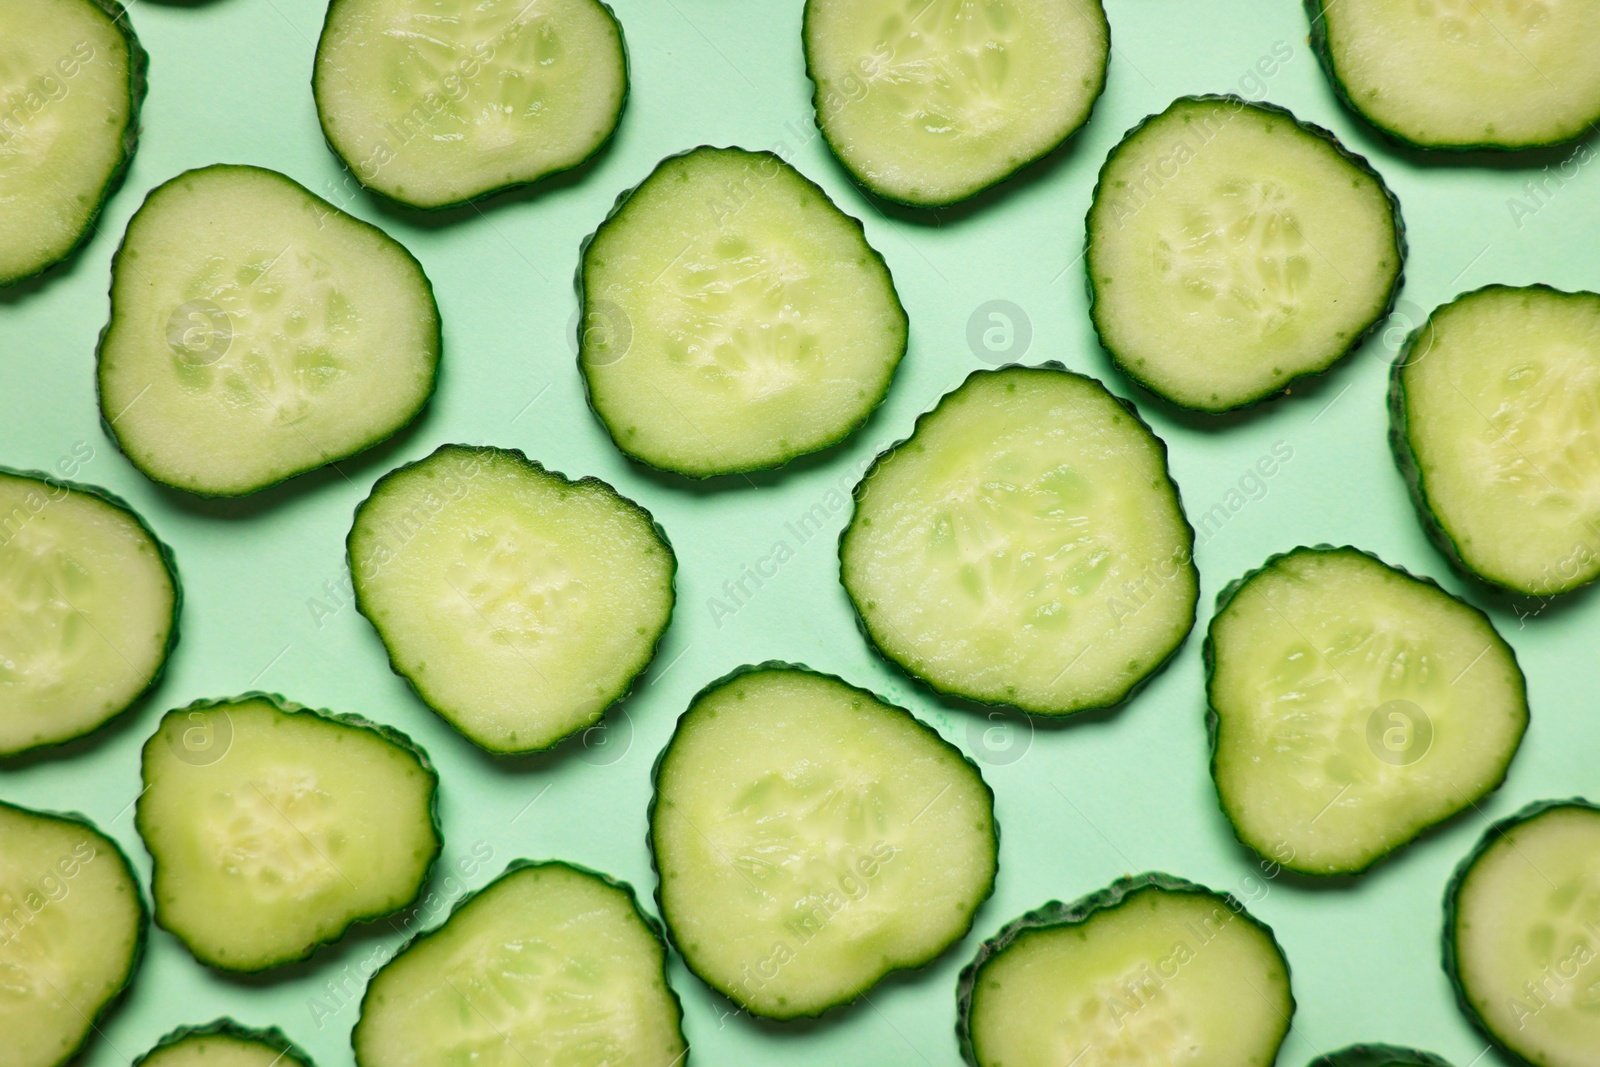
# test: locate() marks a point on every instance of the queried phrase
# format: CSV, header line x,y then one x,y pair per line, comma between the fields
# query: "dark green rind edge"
x,y
138,69
1451,962
651,924
330,461
1376,1055
655,866
816,114
142,934
1046,713
271,1037
517,454
1214,720
616,120
1405,452
289,707
616,212
1396,225
1054,914
168,560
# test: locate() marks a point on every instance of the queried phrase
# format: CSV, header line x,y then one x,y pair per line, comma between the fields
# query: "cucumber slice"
x,y
224,1043
1521,932
72,929
1490,408
811,838
550,964
433,103
258,332
1484,74
89,603
1025,546
273,828
1232,248
933,101
1151,969
1379,1056
1352,707
734,317
71,81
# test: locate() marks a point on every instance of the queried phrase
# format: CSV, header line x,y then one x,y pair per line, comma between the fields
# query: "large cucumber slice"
x,y
1379,1056
519,604
1025,546
258,332
1149,970
71,82
734,318
224,1043
1353,706
1492,406
1232,248
72,927
89,603
273,828
551,964
929,102
436,102
811,838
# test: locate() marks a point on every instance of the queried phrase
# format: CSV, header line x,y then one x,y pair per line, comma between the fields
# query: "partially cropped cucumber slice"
x,y
224,1043
72,927
1379,1056
518,603
258,332
1026,546
1353,706
551,964
734,318
1149,970
71,82
89,607
929,102
811,838
1492,406
273,828
1232,248
436,102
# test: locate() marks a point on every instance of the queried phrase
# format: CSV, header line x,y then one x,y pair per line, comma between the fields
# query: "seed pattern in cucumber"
x,y
224,1043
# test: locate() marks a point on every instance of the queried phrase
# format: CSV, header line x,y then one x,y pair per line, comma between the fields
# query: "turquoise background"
x,y
1079,805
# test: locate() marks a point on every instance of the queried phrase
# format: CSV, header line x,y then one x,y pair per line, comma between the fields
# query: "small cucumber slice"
x,y
1353,706
224,1043
929,102
433,103
1491,406
734,318
1379,1056
71,82
1025,546
1232,248
72,928
550,964
811,838
1149,970
258,332
273,828
89,603
518,603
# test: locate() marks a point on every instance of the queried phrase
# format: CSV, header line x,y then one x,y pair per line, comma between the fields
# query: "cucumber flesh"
x,y
223,1043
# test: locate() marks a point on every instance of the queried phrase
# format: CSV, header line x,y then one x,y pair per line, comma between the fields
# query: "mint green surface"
x,y
1126,792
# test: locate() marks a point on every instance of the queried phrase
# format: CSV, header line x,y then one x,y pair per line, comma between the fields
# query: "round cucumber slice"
x,y
1490,408
224,1043
930,102
72,929
811,838
273,828
550,964
89,603
433,103
1025,546
734,318
1232,248
518,603
1352,707
1379,1056
258,332
1151,969
72,81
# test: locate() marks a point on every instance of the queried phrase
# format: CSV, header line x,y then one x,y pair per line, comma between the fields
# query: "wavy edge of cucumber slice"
x,y
226,1026
1376,1054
